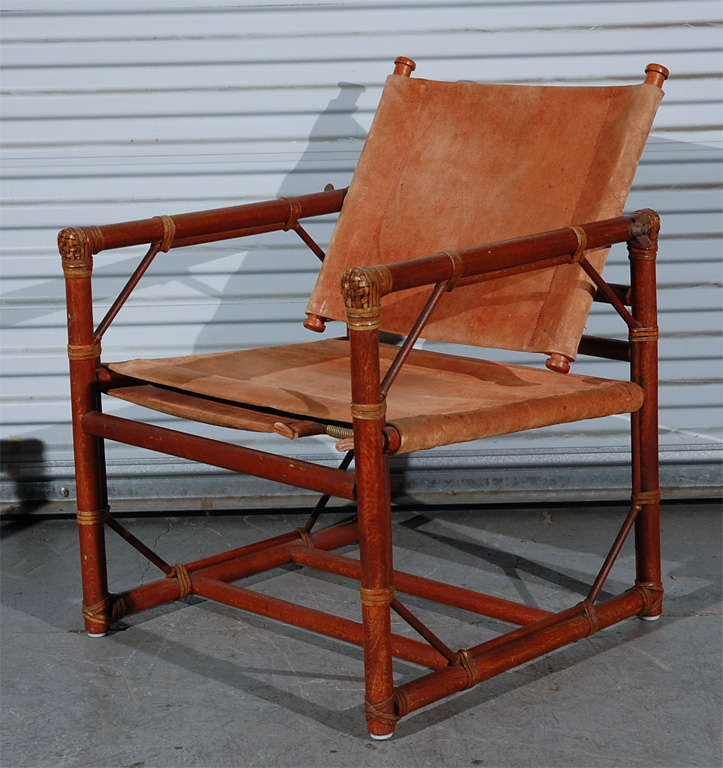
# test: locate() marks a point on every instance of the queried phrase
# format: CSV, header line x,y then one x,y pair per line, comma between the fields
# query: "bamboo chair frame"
x,y
372,441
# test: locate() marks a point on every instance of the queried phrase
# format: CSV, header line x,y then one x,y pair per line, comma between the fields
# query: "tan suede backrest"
x,y
453,165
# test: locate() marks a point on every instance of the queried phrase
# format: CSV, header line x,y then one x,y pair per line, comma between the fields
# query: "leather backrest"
x,y
454,165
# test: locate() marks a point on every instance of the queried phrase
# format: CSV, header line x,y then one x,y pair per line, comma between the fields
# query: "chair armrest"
x,y
203,226
363,287
492,260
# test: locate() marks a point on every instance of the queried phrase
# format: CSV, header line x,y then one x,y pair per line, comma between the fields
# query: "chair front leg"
x,y
363,310
83,355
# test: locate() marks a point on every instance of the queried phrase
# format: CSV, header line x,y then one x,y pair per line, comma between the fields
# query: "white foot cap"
x,y
96,634
381,736
650,618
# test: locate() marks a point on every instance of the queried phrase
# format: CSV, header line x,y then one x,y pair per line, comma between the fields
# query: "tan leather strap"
x,y
97,612
375,711
363,319
169,232
305,537
644,333
83,351
591,616
183,578
294,212
646,497
92,516
369,411
457,264
652,593
467,662
581,236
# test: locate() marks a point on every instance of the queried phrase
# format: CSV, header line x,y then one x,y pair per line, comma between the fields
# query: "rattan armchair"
x,y
478,214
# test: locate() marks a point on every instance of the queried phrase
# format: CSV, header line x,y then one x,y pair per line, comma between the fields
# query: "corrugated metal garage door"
x,y
119,111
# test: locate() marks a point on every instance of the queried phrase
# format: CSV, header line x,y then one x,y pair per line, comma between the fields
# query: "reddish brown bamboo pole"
x,y
607,291
137,544
475,602
612,555
311,619
363,309
301,474
280,554
122,297
240,564
612,349
411,339
642,252
488,662
517,254
247,549
422,629
199,223
620,290
83,357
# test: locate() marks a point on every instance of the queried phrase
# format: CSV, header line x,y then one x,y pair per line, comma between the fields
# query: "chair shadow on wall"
x,y
335,124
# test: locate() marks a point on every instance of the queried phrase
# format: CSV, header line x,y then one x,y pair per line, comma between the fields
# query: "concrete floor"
x,y
199,684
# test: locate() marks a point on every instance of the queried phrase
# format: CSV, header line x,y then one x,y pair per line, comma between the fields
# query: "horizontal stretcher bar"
x,y
515,648
302,474
435,591
312,619
230,220
236,564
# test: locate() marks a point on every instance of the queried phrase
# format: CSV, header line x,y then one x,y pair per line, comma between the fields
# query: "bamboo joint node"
x,y
180,573
646,497
84,351
643,333
367,319
369,411
382,596
93,516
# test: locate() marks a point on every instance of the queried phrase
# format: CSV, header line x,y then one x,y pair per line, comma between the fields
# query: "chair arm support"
x,y
491,260
201,226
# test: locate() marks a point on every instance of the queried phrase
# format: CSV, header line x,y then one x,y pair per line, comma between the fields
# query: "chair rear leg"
x,y
642,251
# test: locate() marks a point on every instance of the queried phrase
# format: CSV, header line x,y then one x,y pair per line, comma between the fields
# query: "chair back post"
x,y
76,246
362,289
642,252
